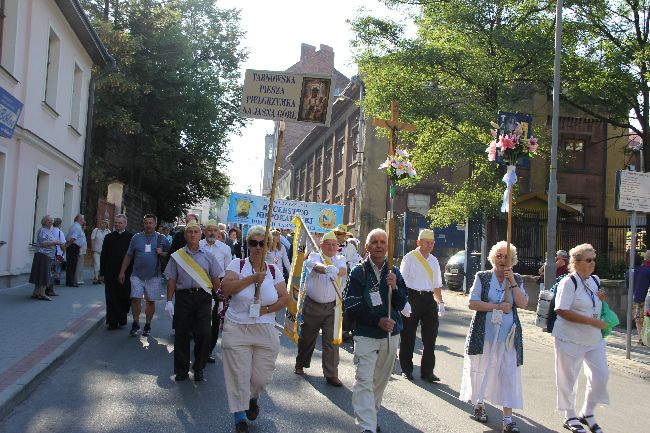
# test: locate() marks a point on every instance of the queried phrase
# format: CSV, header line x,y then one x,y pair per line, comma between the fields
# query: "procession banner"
x,y
302,247
251,210
303,98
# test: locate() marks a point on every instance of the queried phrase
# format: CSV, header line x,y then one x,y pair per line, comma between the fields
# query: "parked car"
x,y
455,271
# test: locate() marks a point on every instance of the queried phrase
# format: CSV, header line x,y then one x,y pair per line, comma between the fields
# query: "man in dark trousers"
x,y
118,296
192,276
421,273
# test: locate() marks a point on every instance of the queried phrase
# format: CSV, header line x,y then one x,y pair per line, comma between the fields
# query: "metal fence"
x,y
610,238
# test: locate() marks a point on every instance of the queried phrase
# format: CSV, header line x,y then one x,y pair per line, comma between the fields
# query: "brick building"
x,y
311,61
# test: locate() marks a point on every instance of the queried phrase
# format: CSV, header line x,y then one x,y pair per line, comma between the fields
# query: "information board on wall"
x,y
632,191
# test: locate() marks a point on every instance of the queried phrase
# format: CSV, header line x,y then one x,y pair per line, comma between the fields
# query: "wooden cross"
x,y
393,125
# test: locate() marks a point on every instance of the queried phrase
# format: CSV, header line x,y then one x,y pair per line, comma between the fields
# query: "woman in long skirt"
x,y
41,274
493,350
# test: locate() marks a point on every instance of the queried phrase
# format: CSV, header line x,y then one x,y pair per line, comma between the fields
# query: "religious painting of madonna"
x,y
314,99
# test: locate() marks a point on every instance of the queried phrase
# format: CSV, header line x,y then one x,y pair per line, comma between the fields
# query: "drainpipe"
x,y
89,131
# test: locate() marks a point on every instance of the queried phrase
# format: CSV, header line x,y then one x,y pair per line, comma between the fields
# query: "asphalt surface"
x,y
114,383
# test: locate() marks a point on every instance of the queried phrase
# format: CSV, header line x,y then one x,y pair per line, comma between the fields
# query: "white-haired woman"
x,y
41,273
579,341
250,343
501,361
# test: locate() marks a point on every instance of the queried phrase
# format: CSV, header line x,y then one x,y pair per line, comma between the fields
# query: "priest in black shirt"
x,y
118,296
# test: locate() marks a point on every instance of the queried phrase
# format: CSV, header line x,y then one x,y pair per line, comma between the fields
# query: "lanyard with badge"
x,y
147,244
592,295
254,309
375,295
497,315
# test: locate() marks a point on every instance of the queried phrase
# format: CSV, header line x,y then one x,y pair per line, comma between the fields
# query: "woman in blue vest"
x,y
493,352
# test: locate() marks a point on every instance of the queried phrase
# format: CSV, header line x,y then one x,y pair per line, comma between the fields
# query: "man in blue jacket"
x,y
366,301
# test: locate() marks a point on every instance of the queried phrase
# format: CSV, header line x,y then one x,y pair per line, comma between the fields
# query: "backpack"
x,y
242,262
552,315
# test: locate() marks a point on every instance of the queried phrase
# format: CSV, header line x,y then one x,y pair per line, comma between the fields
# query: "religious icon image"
x,y
314,99
243,207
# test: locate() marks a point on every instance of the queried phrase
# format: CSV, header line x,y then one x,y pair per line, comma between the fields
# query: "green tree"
x,y
164,116
469,60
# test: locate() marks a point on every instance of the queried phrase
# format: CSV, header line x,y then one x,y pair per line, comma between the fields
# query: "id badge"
x,y
254,310
497,316
147,248
375,298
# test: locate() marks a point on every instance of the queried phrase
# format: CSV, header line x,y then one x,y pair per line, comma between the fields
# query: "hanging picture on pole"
x,y
304,98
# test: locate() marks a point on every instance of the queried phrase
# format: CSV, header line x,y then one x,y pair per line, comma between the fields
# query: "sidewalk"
x,y
36,335
638,365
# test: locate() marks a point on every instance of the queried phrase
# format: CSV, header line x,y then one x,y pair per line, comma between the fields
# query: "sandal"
x,y
594,428
480,414
511,428
44,298
574,428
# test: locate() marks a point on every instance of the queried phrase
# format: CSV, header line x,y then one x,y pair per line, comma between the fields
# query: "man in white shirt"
x,y
326,272
213,244
347,249
421,273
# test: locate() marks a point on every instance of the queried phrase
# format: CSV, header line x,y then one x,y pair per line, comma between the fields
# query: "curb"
x,y
26,374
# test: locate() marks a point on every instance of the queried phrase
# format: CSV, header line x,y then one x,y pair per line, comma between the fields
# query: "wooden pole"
x,y
267,237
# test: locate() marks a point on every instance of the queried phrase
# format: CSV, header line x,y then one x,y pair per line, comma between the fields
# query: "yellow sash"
x,y
193,269
338,314
418,255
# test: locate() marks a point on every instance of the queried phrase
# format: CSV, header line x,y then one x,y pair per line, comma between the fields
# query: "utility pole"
x,y
551,225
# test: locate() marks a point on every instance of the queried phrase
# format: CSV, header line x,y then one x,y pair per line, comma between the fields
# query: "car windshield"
x,y
457,259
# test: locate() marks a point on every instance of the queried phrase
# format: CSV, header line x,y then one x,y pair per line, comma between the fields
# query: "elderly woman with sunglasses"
x,y
578,341
494,352
250,343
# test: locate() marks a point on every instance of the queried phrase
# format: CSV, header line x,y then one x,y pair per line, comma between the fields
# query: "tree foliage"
x,y
472,58
163,117
469,60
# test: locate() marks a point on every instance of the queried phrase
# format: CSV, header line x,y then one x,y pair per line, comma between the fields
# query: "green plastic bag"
x,y
645,331
610,318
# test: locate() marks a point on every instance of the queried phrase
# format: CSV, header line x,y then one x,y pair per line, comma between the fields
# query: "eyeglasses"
x,y
253,243
501,256
589,260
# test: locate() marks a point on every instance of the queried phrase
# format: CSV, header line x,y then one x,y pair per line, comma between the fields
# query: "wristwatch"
x,y
268,310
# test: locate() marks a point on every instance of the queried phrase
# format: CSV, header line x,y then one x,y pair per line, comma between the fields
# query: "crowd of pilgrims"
x,y
216,283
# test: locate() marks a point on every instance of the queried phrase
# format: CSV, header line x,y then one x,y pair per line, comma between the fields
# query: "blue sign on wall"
x,y
10,109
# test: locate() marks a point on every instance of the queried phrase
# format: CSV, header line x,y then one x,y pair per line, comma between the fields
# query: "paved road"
x,y
114,383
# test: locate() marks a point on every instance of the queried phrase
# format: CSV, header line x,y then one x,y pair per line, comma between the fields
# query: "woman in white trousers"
x,y
579,341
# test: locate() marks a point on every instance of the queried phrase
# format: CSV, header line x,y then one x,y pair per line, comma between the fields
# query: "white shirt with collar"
x,y
319,286
220,250
580,299
416,277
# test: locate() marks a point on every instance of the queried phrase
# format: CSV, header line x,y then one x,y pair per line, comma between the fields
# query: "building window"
x,y
68,191
575,153
339,149
40,200
77,78
353,143
351,208
8,31
310,170
52,69
327,165
318,166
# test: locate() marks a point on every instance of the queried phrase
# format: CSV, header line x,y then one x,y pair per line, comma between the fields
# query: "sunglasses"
x,y
253,243
589,260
